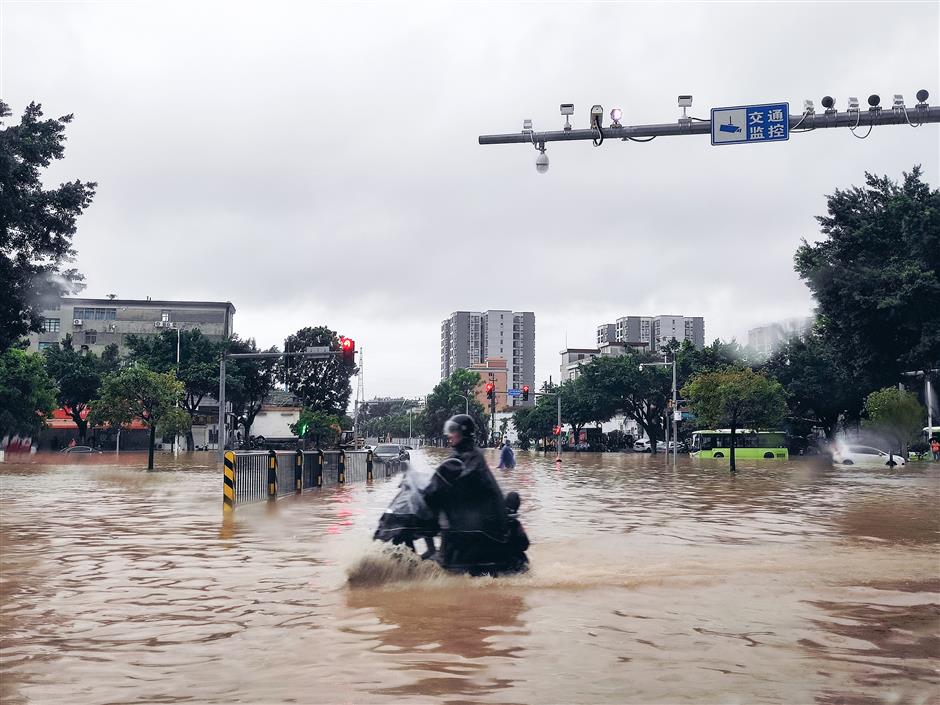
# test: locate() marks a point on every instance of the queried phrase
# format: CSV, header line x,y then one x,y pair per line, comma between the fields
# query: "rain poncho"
x,y
408,517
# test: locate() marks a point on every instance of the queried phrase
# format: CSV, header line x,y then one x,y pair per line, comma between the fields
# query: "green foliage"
x,y
36,224
198,367
819,387
139,393
248,381
320,426
322,385
895,412
78,376
533,422
876,277
444,401
619,386
27,393
736,398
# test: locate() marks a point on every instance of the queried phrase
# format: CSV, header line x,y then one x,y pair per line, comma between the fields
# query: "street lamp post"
x,y
675,430
467,406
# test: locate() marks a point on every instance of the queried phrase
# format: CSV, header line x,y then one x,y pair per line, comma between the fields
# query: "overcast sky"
x,y
318,163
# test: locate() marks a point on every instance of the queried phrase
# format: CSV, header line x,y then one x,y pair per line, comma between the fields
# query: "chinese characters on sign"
x,y
751,123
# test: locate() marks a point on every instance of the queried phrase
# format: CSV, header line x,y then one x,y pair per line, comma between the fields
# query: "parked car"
x,y
865,456
79,449
387,452
642,446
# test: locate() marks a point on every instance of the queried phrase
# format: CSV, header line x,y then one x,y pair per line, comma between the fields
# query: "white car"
x,y
865,455
642,446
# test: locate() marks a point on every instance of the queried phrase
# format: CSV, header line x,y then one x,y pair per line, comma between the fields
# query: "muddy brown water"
x,y
790,583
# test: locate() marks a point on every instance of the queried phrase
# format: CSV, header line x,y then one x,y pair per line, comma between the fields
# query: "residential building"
x,y
573,358
471,337
96,323
764,340
651,332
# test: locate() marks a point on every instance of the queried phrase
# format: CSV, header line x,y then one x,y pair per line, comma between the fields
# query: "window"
x,y
91,337
46,346
94,314
165,316
50,325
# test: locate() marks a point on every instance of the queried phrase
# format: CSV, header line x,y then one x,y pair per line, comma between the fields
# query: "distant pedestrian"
x,y
507,459
935,449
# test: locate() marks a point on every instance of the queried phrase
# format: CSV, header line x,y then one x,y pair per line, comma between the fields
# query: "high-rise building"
x,y
653,331
764,340
471,337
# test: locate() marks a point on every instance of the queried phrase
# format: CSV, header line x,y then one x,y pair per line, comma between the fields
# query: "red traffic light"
x,y
525,392
489,390
348,346
557,430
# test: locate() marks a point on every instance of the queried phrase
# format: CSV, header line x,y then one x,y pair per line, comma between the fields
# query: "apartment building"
x,y
652,332
471,337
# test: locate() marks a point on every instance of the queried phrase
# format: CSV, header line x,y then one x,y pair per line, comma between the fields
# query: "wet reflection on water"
x,y
791,582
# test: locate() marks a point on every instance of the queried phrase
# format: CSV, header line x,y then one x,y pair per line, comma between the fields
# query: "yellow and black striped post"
x,y
272,475
299,471
228,481
341,475
369,476
319,480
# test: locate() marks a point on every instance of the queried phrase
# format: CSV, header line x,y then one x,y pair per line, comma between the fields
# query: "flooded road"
x,y
790,583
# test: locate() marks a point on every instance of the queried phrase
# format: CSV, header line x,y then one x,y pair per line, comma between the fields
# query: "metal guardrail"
x,y
251,476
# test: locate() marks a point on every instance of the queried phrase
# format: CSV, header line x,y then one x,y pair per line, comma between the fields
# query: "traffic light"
x,y
556,431
525,392
348,346
489,390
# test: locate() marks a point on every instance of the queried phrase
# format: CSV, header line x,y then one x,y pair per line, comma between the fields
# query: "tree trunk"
x,y
82,428
731,450
153,440
190,441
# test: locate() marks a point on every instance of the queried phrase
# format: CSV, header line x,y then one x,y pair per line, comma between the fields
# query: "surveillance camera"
x,y
541,163
597,116
527,126
828,102
922,96
874,100
567,108
898,101
685,101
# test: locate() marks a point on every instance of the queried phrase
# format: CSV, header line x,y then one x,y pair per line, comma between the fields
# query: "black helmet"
x,y
462,424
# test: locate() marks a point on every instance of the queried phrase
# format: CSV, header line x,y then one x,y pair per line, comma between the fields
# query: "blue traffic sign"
x,y
746,124
514,392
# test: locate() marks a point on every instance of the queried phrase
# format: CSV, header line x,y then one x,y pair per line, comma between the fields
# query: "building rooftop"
x,y
148,302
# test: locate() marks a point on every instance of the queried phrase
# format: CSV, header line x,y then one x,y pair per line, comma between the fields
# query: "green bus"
x,y
748,444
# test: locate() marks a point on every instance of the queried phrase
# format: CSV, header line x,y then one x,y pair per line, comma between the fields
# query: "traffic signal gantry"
x,y
735,125
319,352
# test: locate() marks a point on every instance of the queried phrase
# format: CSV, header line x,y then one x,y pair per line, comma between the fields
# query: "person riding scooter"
x,y
471,508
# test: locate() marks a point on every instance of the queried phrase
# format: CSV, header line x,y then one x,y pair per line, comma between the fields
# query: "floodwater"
x,y
790,583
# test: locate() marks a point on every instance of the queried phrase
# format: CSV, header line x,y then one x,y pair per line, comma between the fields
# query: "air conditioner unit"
x,y
158,324
76,321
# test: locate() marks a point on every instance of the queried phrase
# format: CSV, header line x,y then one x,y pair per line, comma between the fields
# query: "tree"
x,y
446,400
876,277
36,224
820,389
197,369
619,385
78,375
318,426
27,393
537,422
897,413
249,381
322,385
581,404
736,398
138,393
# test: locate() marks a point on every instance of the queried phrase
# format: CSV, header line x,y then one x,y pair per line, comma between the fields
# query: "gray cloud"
x,y
319,163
